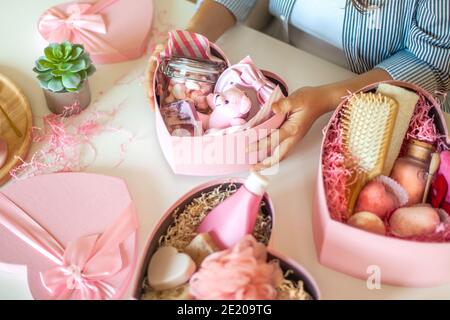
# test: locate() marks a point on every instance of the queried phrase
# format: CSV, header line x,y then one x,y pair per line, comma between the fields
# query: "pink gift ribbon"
x,y
79,23
83,268
248,75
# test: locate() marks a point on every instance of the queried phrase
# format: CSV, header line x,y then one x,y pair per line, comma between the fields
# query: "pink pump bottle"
x,y
236,216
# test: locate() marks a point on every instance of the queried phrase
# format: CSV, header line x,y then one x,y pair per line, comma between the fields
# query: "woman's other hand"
x,y
301,108
211,20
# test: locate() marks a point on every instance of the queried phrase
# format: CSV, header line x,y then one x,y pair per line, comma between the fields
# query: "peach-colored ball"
x,y
179,91
367,221
375,197
414,221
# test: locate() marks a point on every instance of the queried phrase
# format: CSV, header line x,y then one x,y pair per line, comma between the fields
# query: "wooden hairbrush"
x,y
368,121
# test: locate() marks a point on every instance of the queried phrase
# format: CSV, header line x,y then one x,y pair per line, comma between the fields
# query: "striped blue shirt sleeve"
x,y
239,8
426,58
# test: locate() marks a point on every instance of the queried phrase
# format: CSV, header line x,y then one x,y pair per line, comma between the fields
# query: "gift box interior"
x,y
208,111
373,208
172,231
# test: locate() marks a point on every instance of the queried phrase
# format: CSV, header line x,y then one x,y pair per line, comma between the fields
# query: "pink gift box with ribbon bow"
x,y
111,30
224,152
76,233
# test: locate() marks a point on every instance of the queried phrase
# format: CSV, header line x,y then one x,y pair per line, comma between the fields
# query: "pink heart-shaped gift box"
x,y
212,155
167,219
111,30
68,206
353,251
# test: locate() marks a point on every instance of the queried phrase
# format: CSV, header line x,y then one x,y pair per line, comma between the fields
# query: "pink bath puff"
x,y
414,221
239,273
381,197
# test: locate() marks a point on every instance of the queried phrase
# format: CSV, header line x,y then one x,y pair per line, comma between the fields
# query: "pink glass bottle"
x,y
411,170
236,216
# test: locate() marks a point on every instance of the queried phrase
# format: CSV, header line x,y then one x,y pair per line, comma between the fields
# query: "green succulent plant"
x,y
64,67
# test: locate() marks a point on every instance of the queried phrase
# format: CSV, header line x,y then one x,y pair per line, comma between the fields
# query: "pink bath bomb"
x,y
375,197
414,221
367,221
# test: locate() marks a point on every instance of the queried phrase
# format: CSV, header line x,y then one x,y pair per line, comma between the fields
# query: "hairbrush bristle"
x,y
368,120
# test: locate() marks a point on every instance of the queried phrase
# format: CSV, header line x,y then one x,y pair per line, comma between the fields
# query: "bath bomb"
x,y
367,221
414,221
377,198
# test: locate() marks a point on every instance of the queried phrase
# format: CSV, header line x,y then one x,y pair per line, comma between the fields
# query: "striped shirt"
x,y
410,39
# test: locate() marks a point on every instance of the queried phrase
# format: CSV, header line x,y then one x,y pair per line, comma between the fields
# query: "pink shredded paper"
x,y
422,126
64,142
335,173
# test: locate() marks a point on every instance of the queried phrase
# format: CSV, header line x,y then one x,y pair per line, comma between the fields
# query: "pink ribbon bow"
x,y
76,24
82,270
247,74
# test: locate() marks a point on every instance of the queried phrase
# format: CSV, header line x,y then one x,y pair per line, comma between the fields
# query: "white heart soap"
x,y
169,269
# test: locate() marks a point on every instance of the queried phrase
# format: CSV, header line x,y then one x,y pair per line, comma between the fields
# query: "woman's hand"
x,y
302,108
211,20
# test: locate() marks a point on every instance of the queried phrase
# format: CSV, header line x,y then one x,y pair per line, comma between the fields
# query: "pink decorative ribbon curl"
x,y
80,23
83,268
248,75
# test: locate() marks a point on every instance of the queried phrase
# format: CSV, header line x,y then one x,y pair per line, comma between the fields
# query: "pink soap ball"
x,y
444,169
414,221
201,103
367,221
206,88
196,94
377,198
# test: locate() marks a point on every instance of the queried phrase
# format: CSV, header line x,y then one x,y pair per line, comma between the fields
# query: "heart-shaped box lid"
x,y
67,207
111,30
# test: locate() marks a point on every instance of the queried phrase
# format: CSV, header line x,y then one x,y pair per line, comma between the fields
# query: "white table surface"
x,y
152,185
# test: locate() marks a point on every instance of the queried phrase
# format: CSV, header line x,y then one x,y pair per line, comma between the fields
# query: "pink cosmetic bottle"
x,y
236,216
410,171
